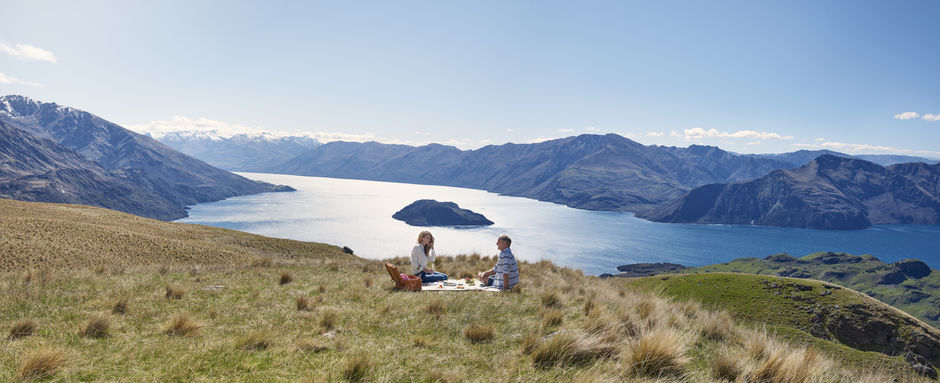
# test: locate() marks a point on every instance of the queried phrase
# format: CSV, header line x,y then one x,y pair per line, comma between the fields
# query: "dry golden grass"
x,y
309,345
477,333
716,325
23,328
96,327
726,366
304,303
286,278
530,343
357,368
181,324
262,262
788,366
255,340
437,307
367,281
174,291
551,299
658,352
42,363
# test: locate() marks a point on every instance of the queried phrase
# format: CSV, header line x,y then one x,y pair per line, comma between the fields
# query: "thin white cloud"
x,y
865,148
27,52
10,80
699,133
509,130
906,116
590,128
566,130
819,139
655,134
540,139
631,136
932,117
673,133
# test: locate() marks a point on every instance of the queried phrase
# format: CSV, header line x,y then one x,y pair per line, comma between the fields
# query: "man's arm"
x,y
505,281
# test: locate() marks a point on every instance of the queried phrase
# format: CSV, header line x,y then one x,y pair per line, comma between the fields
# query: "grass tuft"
x,y
479,333
551,299
796,366
120,307
716,325
552,318
96,327
658,352
367,280
37,276
286,278
725,365
181,324
309,345
174,291
328,320
304,303
255,341
42,363
356,368
530,343
567,348
262,262
23,328
437,308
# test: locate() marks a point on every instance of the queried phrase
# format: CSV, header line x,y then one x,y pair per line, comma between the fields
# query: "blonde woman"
x,y
422,254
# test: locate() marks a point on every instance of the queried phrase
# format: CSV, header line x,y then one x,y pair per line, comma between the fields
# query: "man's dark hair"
x,y
505,238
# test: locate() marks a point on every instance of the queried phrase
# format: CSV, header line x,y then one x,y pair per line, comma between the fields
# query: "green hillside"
x,y
102,296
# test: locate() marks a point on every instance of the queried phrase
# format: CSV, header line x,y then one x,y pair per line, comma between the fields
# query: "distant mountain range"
x,y
591,172
802,157
53,153
828,193
241,152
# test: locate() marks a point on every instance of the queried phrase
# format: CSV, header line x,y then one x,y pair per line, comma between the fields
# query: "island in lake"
x,y
428,212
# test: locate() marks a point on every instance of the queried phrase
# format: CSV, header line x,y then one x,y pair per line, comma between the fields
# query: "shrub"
x,y
120,307
328,320
286,278
658,352
182,325
23,328
304,303
550,299
96,327
571,349
479,333
174,292
552,318
356,368
42,363
436,307
255,341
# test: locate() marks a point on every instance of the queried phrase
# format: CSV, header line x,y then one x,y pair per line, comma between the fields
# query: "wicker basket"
x,y
412,284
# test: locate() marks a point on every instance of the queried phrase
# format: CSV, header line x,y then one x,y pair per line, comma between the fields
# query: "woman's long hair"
x,y
429,246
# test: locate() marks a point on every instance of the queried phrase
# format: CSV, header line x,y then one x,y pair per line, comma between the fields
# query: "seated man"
x,y
505,274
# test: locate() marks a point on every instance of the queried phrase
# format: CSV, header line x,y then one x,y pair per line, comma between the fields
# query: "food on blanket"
x,y
460,287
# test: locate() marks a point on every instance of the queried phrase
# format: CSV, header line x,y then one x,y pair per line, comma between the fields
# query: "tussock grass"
x,y
530,343
552,318
788,366
328,320
286,278
658,352
551,299
23,328
120,307
42,363
726,365
182,324
437,307
255,340
309,345
37,276
368,281
716,325
568,348
357,368
96,327
262,262
477,333
304,303
174,291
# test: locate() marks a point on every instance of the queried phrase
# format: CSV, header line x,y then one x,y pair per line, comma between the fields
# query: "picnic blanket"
x,y
457,285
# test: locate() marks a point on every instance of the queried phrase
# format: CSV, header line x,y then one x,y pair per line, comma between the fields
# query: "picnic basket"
x,y
412,284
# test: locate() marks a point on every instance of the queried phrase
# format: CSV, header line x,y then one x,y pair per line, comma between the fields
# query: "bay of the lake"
x,y
358,214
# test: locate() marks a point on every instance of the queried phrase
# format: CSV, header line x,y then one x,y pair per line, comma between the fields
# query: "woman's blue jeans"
x,y
432,277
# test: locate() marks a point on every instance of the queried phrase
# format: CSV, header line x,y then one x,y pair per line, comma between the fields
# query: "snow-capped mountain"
x,y
240,152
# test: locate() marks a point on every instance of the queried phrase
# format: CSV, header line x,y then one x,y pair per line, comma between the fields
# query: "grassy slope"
x,y
792,312
394,336
862,276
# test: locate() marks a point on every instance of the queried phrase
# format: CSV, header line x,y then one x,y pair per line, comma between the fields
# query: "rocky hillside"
x,y
828,193
86,159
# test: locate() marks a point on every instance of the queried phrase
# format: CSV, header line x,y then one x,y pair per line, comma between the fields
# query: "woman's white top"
x,y
419,261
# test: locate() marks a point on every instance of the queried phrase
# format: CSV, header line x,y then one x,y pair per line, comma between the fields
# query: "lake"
x,y
358,214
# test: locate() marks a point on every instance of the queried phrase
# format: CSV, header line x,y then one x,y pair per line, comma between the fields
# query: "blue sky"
x,y
748,76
